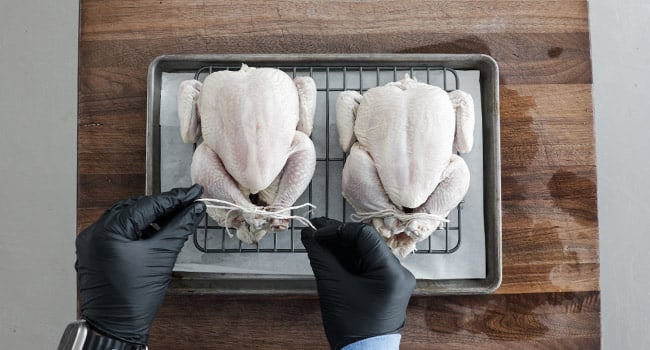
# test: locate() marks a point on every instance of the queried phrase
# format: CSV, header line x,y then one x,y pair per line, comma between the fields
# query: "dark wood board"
x,y
507,321
550,224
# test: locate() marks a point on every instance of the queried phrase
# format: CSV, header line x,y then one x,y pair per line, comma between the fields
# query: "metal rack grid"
x,y
212,238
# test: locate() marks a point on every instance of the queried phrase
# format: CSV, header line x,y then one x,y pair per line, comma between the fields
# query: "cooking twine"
x,y
279,214
403,217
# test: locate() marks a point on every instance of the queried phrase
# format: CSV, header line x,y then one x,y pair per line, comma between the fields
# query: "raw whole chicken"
x,y
401,173
256,158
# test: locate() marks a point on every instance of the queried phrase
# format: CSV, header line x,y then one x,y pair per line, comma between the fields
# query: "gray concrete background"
x,y
38,110
38,77
620,42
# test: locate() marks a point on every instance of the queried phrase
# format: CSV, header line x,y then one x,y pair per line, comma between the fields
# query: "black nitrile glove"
x,y
363,288
125,260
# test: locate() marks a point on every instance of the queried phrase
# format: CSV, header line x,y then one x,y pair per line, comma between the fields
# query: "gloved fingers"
x,y
324,264
161,222
146,210
324,222
125,203
153,207
372,252
345,252
307,231
181,226
319,223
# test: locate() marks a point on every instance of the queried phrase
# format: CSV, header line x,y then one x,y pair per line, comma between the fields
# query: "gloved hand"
x,y
125,260
363,288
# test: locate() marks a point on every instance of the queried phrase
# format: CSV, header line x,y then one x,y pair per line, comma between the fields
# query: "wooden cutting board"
x,y
550,294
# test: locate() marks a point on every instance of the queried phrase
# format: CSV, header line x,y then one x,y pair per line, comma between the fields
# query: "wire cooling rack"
x,y
324,190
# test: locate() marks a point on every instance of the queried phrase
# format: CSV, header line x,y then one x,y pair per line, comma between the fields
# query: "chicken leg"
x,y
450,191
207,169
364,191
295,176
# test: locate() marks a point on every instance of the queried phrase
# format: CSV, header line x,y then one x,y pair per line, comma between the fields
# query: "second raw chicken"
x,y
401,173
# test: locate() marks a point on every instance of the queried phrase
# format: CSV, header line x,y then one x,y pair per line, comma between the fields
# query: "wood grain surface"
x,y
549,296
510,321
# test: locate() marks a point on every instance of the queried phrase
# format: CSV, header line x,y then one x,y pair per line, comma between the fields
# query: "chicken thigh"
x,y
402,174
256,158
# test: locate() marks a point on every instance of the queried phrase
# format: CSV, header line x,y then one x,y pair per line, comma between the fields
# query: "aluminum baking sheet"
x,y
472,261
